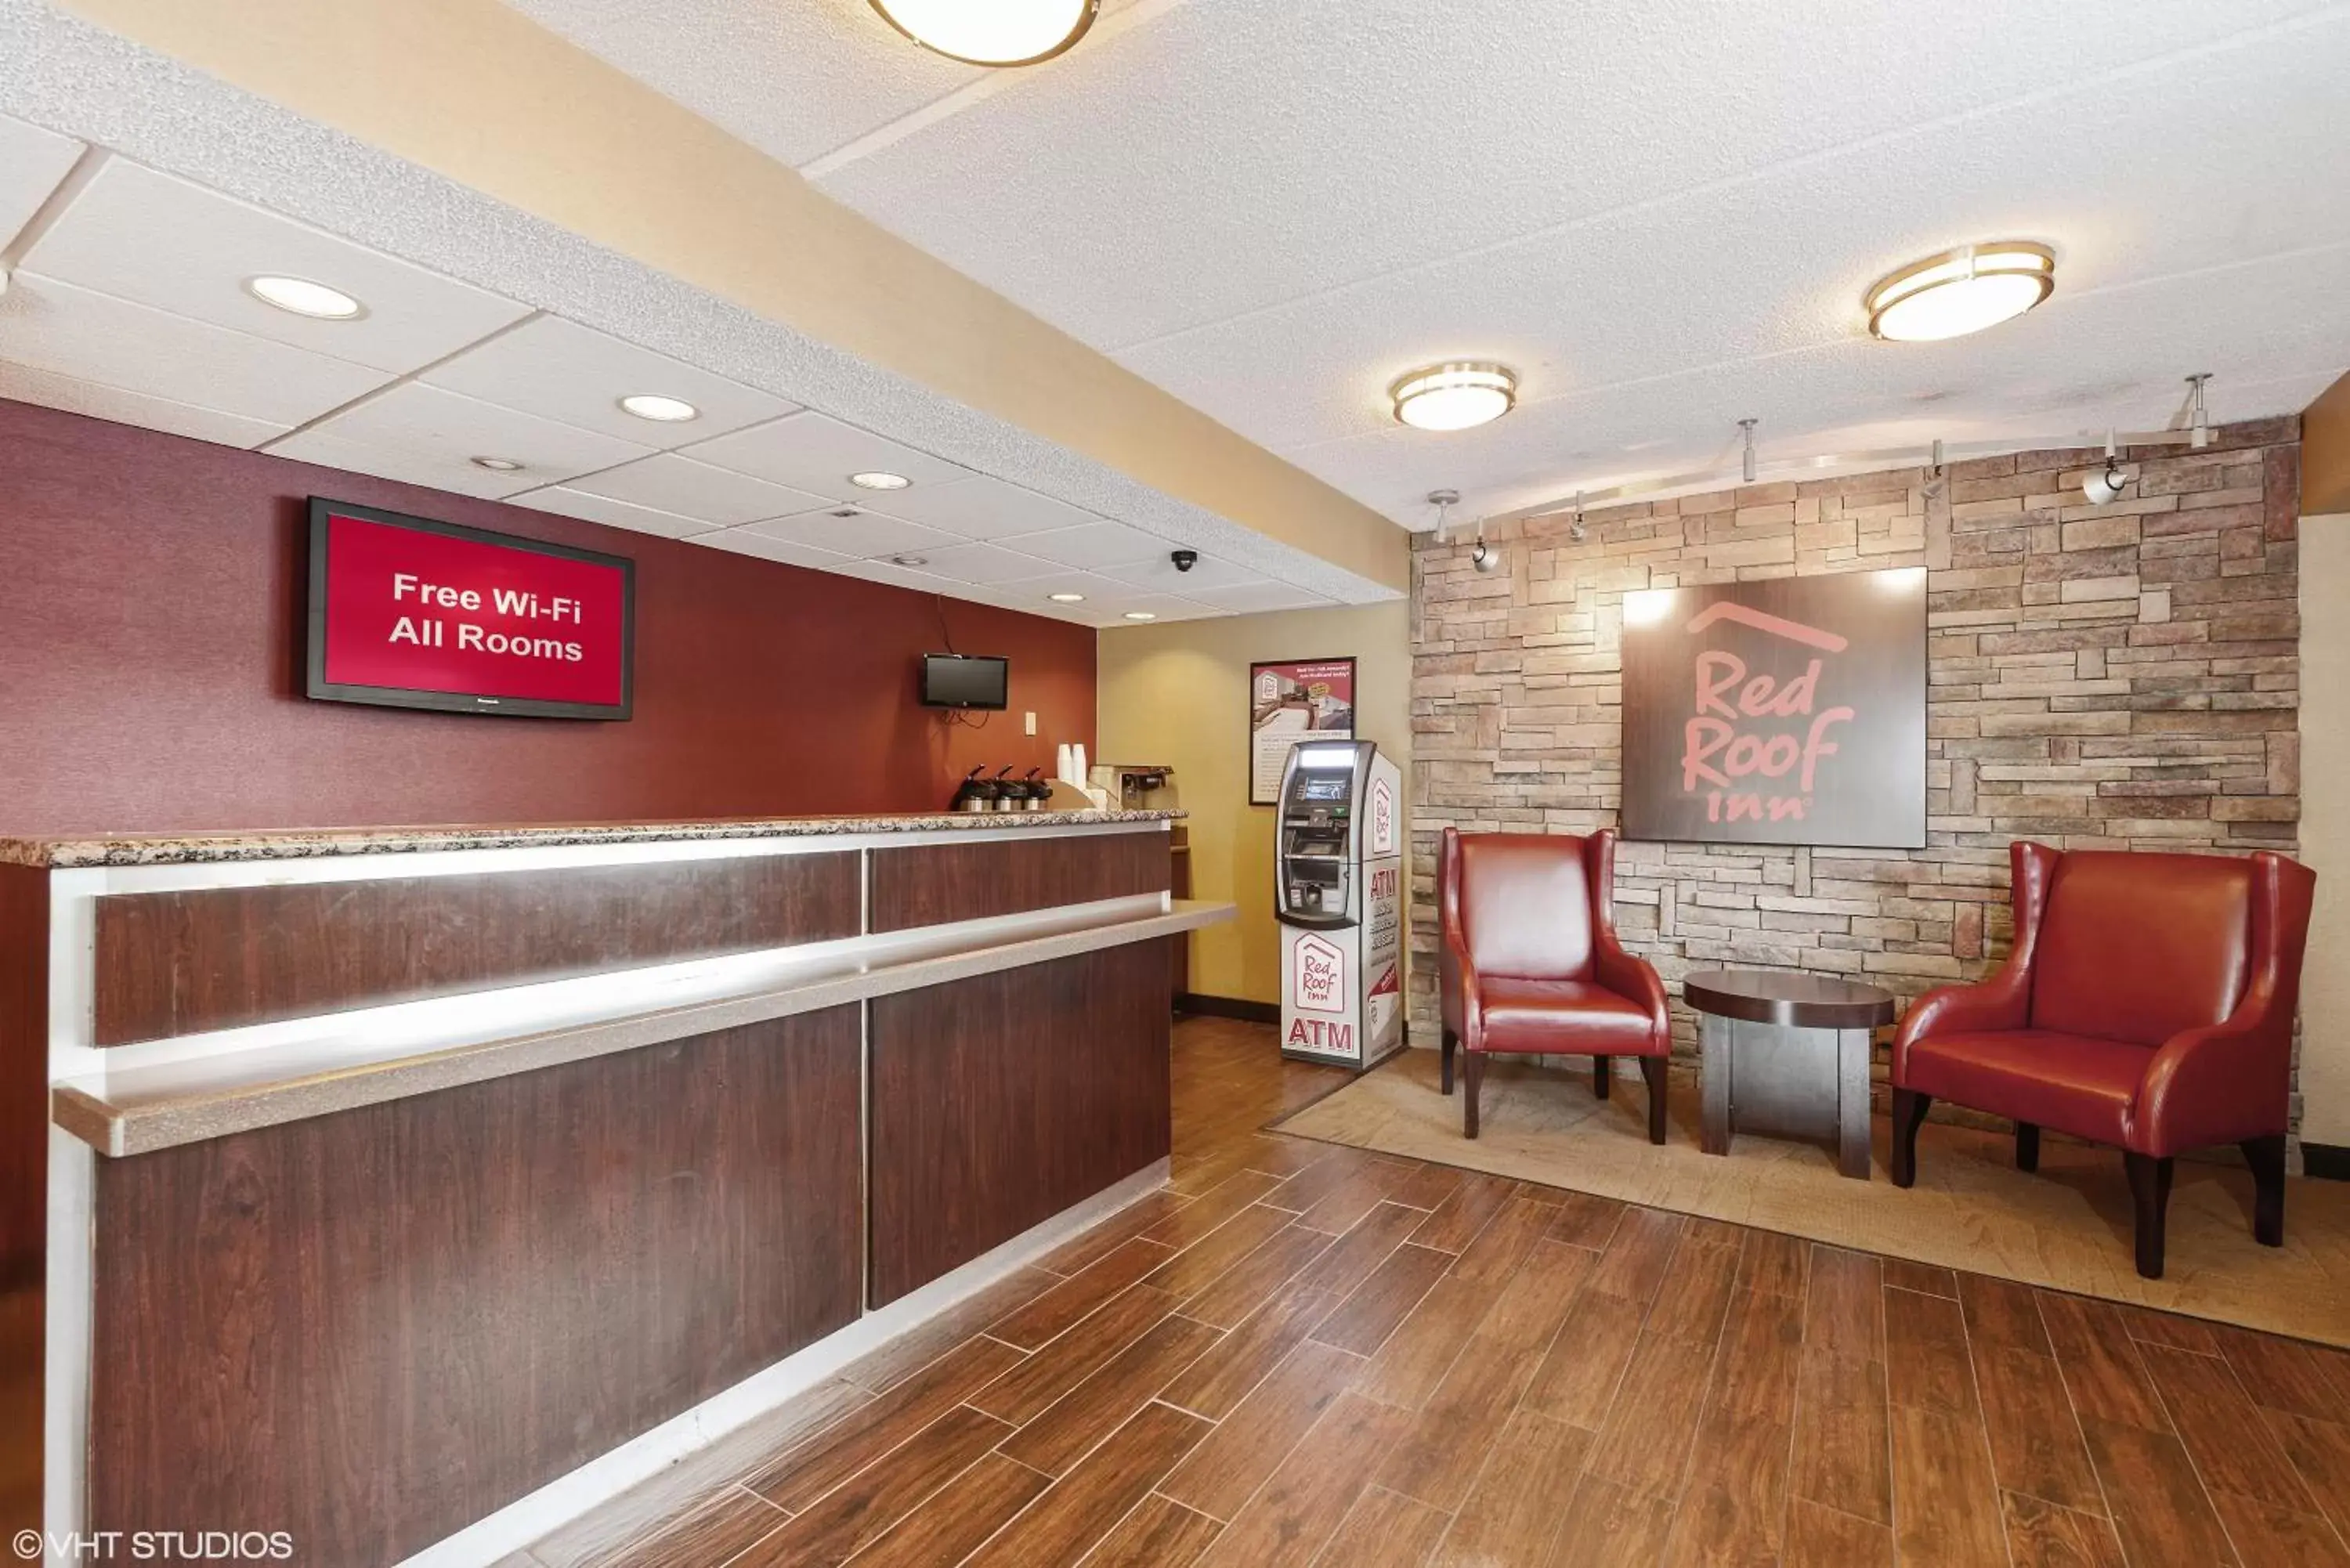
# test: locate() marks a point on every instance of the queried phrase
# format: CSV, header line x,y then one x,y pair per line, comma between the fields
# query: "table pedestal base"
x,y
1795,1083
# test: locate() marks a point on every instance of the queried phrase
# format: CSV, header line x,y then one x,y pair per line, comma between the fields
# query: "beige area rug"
x,y
2066,1228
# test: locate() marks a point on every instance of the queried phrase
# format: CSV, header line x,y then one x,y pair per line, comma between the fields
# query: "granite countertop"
x,y
168,850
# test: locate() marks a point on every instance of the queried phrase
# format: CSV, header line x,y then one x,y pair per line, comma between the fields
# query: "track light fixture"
x,y
1444,501
1485,557
1576,530
2198,427
2105,486
1746,464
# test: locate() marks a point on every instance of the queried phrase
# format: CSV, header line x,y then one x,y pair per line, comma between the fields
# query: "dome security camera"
x,y
2105,487
1185,559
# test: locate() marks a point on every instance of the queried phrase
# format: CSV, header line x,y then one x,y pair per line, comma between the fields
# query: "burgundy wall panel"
x,y
150,599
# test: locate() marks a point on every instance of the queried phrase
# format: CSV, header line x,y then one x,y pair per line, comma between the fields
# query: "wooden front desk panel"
x,y
217,957
998,1102
372,1328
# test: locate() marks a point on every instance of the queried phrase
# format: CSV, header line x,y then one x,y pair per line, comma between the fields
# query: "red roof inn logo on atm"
x,y
1319,984
1791,710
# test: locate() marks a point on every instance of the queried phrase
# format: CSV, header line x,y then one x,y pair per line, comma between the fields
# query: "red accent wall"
x,y
150,605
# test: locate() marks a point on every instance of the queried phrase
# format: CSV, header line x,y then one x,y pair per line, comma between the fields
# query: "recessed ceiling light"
x,y
910,560
669,410
1066,598
879,480
1962,291
303,297
992,32
1142,615
497,464
1454,395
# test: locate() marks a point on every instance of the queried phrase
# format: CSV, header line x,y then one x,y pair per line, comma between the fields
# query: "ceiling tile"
x,y
56,326
720,497
614,513
743,542
793,77
1161,573
1036,592
981,508
1159,607
862,535
983,563
811,452
426,436
32,161
1253,598
144,236
1092,546
562,371
895,577
23,384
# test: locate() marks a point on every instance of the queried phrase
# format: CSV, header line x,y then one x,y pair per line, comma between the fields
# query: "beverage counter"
x,y
406,1191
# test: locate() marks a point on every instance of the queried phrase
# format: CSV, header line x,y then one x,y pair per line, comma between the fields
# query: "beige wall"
x,y
2326,827
1177,694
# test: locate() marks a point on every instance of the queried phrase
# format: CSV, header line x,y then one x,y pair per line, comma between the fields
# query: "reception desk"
x,y
406,1191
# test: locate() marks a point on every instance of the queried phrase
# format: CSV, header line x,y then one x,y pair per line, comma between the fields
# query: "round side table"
x,y
1786,1054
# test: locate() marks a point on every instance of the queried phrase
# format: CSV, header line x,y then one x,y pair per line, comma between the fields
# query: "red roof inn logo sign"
x,y
1321,979
1791,710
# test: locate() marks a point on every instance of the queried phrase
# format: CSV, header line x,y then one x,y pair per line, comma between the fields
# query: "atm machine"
x,y
1338,894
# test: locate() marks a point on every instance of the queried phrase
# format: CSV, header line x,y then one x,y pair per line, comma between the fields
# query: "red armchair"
x,y
1529,962
2147,1002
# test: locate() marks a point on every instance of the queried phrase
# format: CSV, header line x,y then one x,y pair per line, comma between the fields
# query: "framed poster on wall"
x,y
1289,701
1789,710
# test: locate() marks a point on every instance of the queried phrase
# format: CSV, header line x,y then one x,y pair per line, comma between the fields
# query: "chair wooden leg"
x,y
1652,1069
2149,1180
1445,1051
2027,1146
1473,1079
1599,1077
1909,1109
2266,1157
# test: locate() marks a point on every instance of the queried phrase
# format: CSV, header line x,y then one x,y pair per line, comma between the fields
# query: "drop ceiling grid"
x,y
71,76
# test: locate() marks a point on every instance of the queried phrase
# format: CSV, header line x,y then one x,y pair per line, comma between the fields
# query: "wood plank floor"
x,y
1303,1354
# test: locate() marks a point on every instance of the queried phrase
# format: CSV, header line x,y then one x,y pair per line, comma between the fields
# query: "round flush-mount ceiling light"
x,y
498,464
1142,615
879,480
1066,598
1456,396
303,297
992,32
668,410
1962,291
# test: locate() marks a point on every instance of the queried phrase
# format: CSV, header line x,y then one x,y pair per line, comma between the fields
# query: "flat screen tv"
x,y
406,612
965,680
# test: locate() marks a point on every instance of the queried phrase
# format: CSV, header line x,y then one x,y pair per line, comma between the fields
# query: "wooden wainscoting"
x,y
927,884
998,1102
214,958
516,1276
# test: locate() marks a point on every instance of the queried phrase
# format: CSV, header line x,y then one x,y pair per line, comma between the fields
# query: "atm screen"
x,y
1323,789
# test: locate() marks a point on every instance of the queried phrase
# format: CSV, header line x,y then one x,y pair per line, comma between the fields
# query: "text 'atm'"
x,y
1338,894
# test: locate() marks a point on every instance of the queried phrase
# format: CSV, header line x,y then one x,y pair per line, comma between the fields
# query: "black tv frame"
x,y
998,661
480,705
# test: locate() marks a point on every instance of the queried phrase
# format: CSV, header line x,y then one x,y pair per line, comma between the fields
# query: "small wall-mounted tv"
x,y
965,681
406,612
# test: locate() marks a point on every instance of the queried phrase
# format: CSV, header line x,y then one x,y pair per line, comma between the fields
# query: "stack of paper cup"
x,y
1063,761
1077,764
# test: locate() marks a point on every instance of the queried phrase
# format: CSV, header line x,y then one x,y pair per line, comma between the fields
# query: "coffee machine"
x,y
1137,786
1338,894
